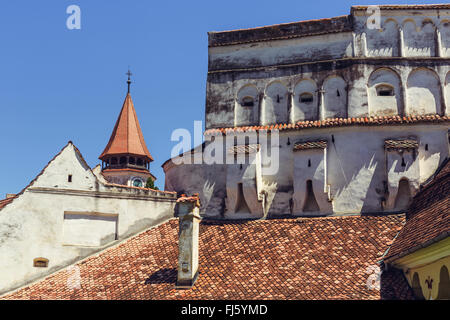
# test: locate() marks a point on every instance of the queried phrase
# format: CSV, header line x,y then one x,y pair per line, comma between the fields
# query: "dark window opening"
x,y
416,287
242,206
444,284
403,198
426,147
306,97
403,162
114,161
309,162
40,263
311,204
69,178
338,93
140,162
385,91
123,160
247,102
131,160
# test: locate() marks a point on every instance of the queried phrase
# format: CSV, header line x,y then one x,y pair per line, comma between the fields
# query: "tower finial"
x,y
129,74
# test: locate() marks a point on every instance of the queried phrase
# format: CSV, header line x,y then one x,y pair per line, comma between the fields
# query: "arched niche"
x,y
384,93
275,104
416,287
447,93
305,101
444,29
404,196
246,106
334,98
384,42
444,284
419,40
423,92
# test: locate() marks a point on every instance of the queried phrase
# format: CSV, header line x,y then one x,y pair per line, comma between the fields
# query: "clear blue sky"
x,y
58,85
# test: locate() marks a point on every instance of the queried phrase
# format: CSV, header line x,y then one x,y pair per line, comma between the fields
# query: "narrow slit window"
x,y
306,98
69,178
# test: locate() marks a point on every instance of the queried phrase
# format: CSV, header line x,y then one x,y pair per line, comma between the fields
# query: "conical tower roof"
x,y
127,138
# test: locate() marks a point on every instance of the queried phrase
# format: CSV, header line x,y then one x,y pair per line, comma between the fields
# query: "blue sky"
x,y
58,85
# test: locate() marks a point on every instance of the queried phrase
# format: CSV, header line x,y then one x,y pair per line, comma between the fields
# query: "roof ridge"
x,y
39,174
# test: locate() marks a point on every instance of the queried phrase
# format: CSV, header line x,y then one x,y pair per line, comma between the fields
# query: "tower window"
x,y
40,263
247,102
385,91
137,182
69,178
140,162
114,161
131,160
123,160
306,97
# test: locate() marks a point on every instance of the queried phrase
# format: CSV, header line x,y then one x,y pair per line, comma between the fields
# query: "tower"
x,y
126,159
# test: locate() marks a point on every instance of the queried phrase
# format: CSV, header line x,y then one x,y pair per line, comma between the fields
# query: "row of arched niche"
x,y
307,101
409,38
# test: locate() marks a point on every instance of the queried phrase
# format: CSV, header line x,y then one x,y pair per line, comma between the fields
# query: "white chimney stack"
x,y
188,211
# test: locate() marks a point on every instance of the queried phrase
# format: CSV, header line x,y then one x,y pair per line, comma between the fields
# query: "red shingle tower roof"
x,y
127,138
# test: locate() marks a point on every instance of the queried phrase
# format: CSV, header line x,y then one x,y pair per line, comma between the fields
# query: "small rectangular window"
x,y
69,178
40,263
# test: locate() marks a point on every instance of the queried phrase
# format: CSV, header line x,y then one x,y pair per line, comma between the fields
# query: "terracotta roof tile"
x,y
336,122
252,148
309,258
127,137
310,145
194,198
401,144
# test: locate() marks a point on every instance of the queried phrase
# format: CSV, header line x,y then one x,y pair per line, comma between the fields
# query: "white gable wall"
x,y
34,224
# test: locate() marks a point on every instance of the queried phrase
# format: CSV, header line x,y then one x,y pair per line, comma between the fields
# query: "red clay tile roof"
x,y
336,122
127,137
193,198
6,201
308,258
310,145
428,218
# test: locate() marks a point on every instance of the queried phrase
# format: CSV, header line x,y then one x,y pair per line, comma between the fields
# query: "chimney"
x,y
188,211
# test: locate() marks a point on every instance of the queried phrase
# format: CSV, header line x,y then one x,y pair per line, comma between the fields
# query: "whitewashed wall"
x,y
34,224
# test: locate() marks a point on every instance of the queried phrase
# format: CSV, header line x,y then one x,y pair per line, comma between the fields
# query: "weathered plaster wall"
x,y
357,173
419,87
34,224
404,43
